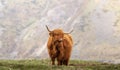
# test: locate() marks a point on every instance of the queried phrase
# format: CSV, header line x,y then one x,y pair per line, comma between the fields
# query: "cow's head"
x,y
57,34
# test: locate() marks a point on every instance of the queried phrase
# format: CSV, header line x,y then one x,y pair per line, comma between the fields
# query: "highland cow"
x,y
59,46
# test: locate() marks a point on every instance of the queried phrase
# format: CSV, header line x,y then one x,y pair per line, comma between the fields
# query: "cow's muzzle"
x,y
58,41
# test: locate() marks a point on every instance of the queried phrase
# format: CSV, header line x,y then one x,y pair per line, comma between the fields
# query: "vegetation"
x,y
45,65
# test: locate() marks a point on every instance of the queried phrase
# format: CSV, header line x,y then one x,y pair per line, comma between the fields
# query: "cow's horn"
x,y
48,28
69,32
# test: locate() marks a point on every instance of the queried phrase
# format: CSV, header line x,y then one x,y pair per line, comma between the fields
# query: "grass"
x,y
45,65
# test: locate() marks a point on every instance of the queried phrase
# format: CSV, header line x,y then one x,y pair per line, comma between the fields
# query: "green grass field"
x,y
45,65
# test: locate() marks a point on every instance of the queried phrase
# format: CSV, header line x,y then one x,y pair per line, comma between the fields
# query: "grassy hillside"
x,y
45,65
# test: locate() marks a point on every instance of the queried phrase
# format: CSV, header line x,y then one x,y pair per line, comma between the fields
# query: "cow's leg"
x,y
59,61
65,62
60,55
53,61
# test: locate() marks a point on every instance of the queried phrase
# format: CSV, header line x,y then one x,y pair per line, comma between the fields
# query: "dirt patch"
x,y
88,64
77,65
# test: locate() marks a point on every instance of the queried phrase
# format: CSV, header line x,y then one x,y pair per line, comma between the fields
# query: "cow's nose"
x,y
60,39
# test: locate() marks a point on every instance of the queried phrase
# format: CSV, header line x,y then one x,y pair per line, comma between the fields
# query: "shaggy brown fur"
x,y
59,47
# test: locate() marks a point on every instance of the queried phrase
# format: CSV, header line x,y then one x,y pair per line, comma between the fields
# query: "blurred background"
x,y
96,25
